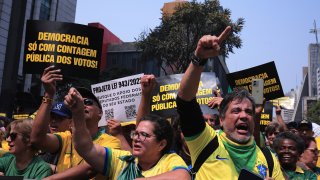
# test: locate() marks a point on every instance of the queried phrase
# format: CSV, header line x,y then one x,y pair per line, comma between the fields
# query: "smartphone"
x,y
246,174
257,90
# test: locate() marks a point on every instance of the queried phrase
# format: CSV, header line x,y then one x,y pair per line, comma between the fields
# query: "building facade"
x,y
127,57
318,82
314,64
108,39
13,17
302,92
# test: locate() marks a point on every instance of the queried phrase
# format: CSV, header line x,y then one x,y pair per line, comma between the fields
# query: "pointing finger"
x,y
224,34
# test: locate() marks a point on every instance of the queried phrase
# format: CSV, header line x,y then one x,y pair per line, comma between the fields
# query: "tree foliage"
x,y
313,113
174,40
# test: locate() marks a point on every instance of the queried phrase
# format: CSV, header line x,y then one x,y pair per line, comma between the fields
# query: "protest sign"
x,y
119,98
284,102
268,72
73,48
266,115
163,101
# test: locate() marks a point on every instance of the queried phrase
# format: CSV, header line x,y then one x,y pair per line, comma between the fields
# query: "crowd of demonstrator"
x,y
64,141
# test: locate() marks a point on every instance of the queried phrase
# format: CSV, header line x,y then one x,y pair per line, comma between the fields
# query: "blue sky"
x,y
274,30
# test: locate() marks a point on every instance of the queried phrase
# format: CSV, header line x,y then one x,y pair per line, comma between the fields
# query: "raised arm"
x,y
39,136
148,83
94,155
257,118
280,119
208,46
215,101
191,117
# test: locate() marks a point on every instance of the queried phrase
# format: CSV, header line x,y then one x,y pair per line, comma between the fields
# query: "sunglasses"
x,y
12,136
211,120
88,102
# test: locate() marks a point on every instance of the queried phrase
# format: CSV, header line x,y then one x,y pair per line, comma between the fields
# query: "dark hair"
x,y
289,135
292,124
5,121
308,140
176,140
238,94
162,129
272,127
87,93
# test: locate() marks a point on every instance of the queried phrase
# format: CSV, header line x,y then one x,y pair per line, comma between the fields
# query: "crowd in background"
x,y
64,141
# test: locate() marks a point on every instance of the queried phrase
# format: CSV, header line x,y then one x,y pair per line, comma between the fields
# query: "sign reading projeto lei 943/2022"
x,y
73,48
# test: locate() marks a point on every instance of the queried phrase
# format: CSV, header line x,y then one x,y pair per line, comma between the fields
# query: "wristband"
x,y
197,61
46,100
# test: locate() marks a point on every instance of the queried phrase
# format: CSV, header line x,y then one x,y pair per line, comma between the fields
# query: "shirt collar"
x,y
299,170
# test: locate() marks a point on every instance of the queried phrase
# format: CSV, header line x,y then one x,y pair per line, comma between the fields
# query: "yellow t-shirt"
x,y
114,166
5,145
318,146
219,164
69,156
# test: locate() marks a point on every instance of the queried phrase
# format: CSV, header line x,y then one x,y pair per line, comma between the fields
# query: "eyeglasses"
x,y
88,102
315,151
141,135
12,136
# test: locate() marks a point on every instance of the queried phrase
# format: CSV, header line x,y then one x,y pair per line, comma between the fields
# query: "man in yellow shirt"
x,y
236,147
62,142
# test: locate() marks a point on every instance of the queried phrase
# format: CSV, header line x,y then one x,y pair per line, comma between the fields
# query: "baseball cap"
x,y
86,93
59,108
306,123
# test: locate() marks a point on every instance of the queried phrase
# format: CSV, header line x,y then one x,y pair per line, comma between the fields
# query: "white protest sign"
x,y
119,98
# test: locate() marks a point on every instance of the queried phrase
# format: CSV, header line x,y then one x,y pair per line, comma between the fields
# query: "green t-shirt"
x,y
300,174
37,169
